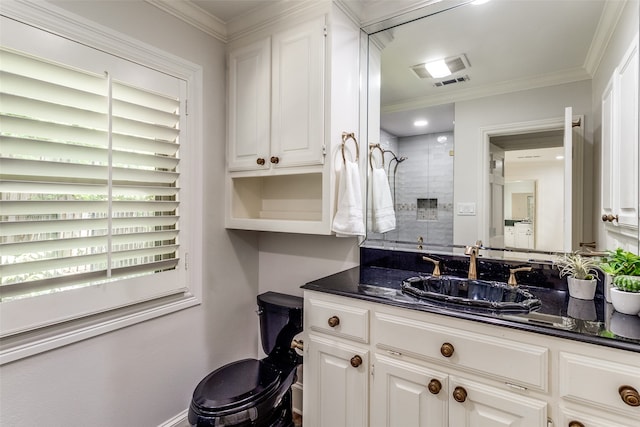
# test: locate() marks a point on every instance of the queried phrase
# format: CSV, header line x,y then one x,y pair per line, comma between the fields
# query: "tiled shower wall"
x,y
422,181
427,176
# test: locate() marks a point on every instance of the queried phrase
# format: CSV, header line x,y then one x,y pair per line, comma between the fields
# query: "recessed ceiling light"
x,y
420,123
442,138
438,69
559,157
479,2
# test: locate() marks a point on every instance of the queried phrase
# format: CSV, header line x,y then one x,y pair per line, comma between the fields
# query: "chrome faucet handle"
x,y
512,275
436,266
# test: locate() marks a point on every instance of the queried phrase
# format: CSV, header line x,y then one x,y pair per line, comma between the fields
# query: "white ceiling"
x,y
510,45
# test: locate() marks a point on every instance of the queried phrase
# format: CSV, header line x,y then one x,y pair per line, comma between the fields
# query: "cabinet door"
x,y
249,106
407,395
579,415
620,144
477,405
336,384
627,168
297,124
509,236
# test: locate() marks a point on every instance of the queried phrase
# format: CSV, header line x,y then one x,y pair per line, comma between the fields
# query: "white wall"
x,y
524,106
145,374
288,261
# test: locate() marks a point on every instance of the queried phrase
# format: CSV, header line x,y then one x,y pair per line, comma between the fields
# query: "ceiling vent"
x,y
455,64
451,81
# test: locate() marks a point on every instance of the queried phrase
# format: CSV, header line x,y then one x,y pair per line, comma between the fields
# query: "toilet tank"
x,y
280,319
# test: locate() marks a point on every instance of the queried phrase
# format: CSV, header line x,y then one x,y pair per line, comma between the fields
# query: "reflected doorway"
x,y
527,203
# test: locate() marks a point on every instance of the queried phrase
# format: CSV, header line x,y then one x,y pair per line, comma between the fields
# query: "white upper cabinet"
x,y
297,133
249,106
293,89
276,100
620,145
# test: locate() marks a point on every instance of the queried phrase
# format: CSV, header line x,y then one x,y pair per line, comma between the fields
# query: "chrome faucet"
x,y
472,251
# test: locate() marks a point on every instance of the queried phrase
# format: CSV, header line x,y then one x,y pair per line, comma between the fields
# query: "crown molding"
x,y
449,96
608,20
195,16
273,13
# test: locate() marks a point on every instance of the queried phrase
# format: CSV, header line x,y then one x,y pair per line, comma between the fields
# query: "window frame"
x,y
54,20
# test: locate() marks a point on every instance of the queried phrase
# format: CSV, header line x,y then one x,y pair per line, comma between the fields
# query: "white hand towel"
x,y
383,215
349,220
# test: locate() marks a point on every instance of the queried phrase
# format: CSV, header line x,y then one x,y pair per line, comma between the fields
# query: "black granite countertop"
x,y
593,321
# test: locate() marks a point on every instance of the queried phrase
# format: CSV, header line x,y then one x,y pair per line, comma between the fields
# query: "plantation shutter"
x,y
89,188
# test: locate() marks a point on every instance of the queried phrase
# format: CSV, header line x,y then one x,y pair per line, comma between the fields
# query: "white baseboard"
x,y
179,420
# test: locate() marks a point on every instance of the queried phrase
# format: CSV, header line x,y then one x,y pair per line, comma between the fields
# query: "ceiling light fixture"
x,y
559,157
420,123
438,69
442,138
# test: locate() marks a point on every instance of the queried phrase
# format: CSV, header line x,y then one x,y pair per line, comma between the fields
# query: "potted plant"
x,y
581,272
624,267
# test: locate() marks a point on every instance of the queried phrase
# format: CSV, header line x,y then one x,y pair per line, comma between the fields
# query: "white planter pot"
x,y
608,284
625,302
625,326
582,309
582,288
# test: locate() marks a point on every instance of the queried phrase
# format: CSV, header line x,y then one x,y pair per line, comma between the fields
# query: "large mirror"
x,y
502,144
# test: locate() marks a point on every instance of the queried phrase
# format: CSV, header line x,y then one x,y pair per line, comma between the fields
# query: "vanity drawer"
x,y
599,382
330,317
515,363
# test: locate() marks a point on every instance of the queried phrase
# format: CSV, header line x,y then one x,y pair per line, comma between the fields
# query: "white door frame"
x,y
556,123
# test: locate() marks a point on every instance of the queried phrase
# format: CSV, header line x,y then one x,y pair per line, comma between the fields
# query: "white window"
x,y
95,194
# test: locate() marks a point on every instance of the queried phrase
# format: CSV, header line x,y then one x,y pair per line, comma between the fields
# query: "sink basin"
x,y
484,294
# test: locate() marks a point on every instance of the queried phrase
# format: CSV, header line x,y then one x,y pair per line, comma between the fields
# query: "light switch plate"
x,y
467,208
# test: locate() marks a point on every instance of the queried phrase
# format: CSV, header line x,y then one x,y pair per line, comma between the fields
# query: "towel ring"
x,y
345,137
373,147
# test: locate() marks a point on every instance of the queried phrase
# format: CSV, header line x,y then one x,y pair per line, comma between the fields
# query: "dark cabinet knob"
x,y
575,424
434,386
356,361
447,349
629,395
460,394
260,161
333,321
275,160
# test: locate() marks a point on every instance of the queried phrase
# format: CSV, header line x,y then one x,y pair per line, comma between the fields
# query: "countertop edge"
x,y
443,311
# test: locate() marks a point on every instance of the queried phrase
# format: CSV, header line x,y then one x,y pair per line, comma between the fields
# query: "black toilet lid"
x,y
236,385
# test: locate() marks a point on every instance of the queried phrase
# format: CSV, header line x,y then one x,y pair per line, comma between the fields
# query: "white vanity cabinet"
x,y
408,394
509,236
593,389
458,368
412,395
336,389
432,370
523,236
293,89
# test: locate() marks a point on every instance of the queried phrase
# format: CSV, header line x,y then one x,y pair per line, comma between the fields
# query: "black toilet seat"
x,y
235,387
